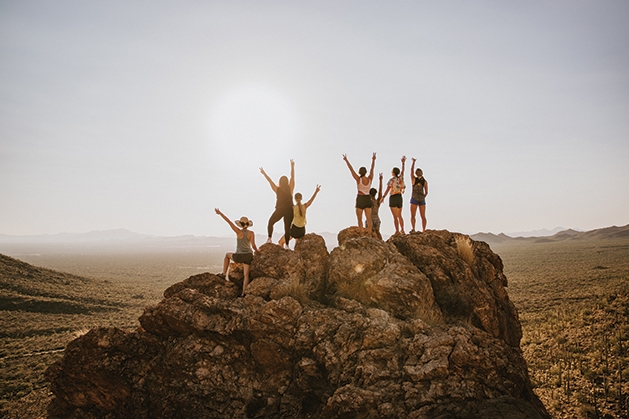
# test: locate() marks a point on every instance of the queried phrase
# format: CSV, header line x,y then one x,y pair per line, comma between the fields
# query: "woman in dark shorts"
x,y
298,228
283,203
418,199
363,199
396,187
245,246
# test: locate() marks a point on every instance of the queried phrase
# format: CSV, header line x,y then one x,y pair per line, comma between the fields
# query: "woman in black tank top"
x,y
283,203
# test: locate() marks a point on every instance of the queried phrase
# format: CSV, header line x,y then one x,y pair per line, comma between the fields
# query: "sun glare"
x,y
253,123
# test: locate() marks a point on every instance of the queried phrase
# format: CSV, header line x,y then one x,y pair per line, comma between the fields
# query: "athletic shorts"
x,y
414,202
363,201
297,232
396,201
245,258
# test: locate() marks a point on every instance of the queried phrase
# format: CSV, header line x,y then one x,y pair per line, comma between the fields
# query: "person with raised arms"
x,y
396,186
376,196
283,203
418,198
245,246
298,228
363,199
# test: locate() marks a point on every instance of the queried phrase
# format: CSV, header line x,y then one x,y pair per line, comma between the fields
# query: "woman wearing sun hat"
x,y
245,246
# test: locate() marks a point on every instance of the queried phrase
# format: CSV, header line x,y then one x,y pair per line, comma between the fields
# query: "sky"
x,y
148,115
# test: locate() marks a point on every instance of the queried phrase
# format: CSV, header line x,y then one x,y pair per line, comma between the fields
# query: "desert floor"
x,y
572,297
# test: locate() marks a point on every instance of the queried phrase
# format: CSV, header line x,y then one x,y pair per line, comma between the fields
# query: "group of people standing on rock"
x,y
368,199
368,202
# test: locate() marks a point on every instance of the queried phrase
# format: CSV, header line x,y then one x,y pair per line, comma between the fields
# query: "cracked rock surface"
x,y
411,328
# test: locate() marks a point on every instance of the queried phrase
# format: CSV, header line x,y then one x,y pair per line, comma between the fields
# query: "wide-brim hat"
x,y
244,222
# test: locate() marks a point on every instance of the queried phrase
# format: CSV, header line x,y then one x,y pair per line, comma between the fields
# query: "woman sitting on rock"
x,y
298,228
283,204
245,246
363,199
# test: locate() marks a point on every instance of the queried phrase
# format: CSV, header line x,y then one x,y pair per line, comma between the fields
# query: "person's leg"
x,y
288,220
275,217
413,216
400,219
226,262
422,214
395,220
368,216
245,270
359,217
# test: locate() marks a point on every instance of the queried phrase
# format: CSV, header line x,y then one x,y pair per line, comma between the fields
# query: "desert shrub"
x,y
291,288
464,249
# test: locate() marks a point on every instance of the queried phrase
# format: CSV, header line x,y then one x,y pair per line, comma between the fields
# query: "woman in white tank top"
x,y
363,199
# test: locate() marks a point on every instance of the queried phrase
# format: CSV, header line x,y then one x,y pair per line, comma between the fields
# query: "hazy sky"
x,y
146,115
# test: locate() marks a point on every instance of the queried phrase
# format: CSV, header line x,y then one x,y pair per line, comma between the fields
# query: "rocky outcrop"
x,y
411,328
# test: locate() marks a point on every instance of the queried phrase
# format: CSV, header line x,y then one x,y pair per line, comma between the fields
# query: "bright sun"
x,y
253,123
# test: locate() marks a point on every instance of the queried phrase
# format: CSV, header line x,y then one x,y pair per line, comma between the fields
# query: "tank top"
x,y
363,189
299,220
242,244
418,189
284,199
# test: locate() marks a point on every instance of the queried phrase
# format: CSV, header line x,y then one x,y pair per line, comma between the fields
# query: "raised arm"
x,y
273,185
380,187
351,169
386,192
373,164
231,224
413,159
317,189
403,161
291,182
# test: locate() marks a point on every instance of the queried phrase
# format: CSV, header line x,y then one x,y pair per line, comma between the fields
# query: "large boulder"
x,y
343,342
467,279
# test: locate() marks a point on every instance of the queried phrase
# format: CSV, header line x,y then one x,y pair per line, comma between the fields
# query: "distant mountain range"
x,y
569,234
122,239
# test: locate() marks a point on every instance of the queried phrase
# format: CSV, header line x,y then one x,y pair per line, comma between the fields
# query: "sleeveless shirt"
x,y
299,220
418,189
242,244
284,199
363,189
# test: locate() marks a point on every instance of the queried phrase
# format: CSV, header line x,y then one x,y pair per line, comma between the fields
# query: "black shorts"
x,y
363,201
297,232
245,258
395,201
